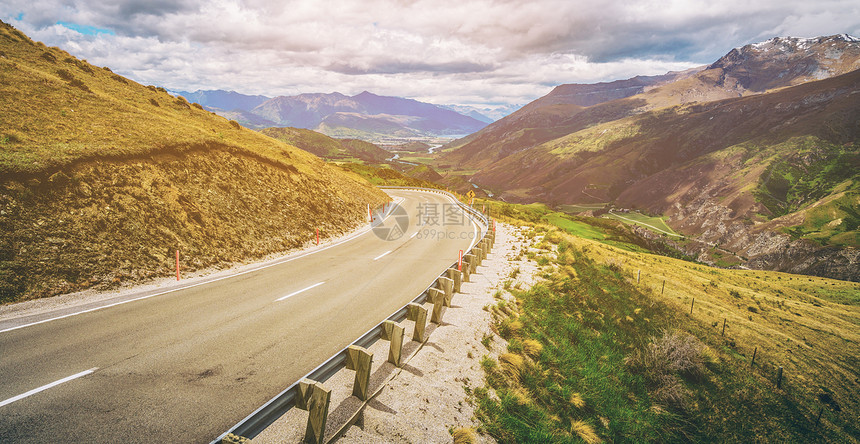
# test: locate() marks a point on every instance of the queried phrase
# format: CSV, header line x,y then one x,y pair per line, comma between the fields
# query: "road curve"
x,y
186,365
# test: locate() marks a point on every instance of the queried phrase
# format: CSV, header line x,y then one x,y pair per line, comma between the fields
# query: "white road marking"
x,y
47,386
382,255
262,267
413,235
300,291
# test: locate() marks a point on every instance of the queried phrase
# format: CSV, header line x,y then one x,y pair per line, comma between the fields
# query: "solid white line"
x,y
300,291
382,255
263,267
46,387
413,235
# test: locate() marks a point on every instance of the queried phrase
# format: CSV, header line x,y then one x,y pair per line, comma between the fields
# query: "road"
x,y
187,365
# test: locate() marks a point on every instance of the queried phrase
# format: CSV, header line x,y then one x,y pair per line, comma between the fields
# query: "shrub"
x,y
65,74
235,124
119,79
153,102
49,57
197,105
77,83
661,361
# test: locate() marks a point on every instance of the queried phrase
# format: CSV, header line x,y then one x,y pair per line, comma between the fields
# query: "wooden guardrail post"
x,y
472,263
457,277
417,313
437,298
488,246
447,287
467,269
479,253
314,398
360,360
393,332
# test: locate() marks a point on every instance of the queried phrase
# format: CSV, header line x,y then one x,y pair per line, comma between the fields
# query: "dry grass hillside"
x,y
102,179
634,347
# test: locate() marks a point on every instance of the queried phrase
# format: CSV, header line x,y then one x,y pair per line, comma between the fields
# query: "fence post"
x,y
417,313
360,360
447,287
472,263
638,276
818,419
691,305
663,287
753,359
457,277
779,377
437,298
314,398
724,328
467,271
393,332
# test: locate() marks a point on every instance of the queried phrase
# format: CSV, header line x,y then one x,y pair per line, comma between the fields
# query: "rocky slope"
x,y
328,147
754,156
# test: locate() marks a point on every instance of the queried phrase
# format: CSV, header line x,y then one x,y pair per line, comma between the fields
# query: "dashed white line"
x,y
300,291
382,255
47,386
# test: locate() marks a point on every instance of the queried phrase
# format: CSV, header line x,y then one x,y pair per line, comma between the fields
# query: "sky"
x,y
468,52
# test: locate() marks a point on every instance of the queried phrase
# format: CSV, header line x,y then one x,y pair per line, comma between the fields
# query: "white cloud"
x,y
448,51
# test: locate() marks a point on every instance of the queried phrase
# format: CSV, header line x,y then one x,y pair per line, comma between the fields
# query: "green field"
x,y
649,222
580,208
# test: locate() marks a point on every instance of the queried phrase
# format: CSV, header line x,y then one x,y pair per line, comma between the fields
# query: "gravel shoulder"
x,y
428,398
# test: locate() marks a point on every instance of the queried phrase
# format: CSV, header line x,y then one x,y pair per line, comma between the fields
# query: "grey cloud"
x,y
398,67
502,51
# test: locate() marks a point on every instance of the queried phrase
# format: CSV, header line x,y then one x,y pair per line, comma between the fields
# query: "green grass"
x,y
594,323
580,208
649,222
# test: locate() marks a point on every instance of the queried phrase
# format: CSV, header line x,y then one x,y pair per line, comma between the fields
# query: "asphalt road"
x,y
187,365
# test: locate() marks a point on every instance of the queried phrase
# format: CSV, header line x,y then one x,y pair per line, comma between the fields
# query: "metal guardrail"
x,y
276,407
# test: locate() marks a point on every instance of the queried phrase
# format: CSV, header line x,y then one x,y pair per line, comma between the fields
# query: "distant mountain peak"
x,y
789,43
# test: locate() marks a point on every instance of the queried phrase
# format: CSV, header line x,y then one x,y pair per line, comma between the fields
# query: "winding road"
x,y
186,364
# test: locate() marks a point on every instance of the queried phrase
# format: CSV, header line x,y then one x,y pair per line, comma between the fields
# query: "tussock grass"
x,y
585,432
464,436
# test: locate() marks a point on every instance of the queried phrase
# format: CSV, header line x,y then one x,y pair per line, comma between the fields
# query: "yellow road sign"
x,y
471,194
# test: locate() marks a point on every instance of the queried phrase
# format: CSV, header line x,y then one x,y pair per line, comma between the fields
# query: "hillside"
x,y
751,69
328,147
615,345
769,178
217,100
102,179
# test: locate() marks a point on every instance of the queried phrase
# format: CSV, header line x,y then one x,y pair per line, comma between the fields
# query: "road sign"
x,y
471,194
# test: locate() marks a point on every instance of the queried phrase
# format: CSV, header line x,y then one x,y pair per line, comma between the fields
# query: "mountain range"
x,y
367,116
754,156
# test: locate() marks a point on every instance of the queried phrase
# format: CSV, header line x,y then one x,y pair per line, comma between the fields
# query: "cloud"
x,y
443,51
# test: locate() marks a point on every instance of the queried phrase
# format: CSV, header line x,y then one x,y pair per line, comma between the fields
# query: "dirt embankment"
x,y
104,223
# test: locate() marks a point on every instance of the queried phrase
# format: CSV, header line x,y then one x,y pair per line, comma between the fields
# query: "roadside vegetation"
x,y
605,348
